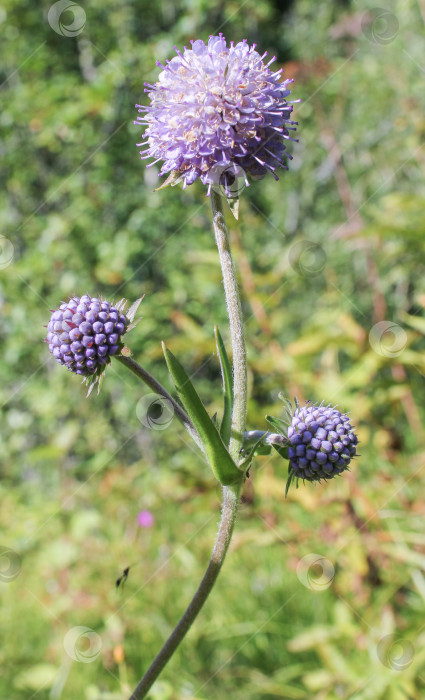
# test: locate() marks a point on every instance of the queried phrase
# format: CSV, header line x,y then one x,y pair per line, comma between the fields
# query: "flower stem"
x,y
230,493
234,311
227,522
153,383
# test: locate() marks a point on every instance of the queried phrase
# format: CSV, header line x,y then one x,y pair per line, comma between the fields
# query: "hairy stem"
x,y
151,382
234,311
227,522
230,493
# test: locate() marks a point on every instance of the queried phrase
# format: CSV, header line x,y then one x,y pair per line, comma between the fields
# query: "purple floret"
x,y
323,443
215,110
75,336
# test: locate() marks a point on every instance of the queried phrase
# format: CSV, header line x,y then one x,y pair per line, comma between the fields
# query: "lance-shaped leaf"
x,y
277,424
226,373
290,479
282,450
262,449
221,462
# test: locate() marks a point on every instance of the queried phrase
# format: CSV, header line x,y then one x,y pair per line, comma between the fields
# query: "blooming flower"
x,y
217,109
84,333
145,518
321,442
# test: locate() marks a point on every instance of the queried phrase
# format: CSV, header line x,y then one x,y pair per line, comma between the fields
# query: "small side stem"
x,y
157,387
252,436
234,311
227,522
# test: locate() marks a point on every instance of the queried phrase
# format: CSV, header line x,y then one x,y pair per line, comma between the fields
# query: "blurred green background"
x,y
332,269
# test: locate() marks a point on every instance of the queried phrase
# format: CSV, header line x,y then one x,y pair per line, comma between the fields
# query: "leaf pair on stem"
x,y
214,439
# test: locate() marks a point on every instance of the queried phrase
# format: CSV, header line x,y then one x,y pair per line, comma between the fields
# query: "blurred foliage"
x,y
327,253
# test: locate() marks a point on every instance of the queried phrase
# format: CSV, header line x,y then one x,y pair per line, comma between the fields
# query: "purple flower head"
x,y
217,111
145,518
321,442
83,334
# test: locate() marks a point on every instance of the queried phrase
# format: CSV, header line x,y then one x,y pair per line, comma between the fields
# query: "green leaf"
x,y
291,478
283,451
221,462
173,179
234,206
277,424
263,449
226,373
